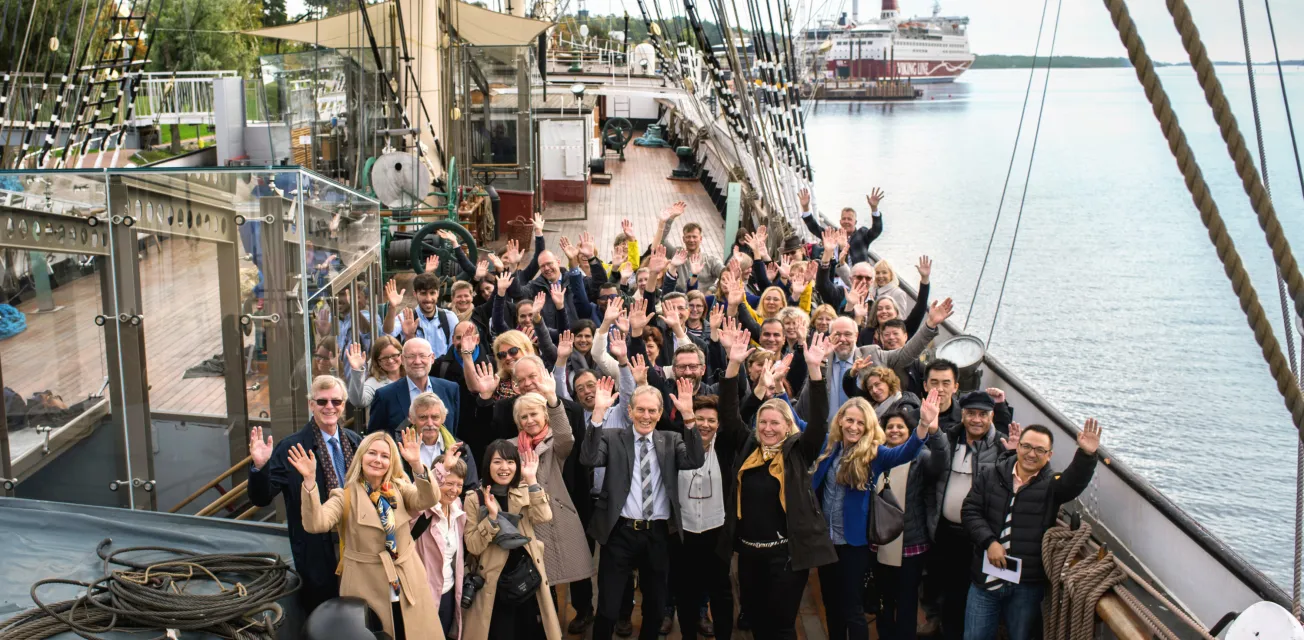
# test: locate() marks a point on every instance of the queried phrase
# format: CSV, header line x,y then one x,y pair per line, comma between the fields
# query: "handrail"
x,y
249,513
225,474
227,498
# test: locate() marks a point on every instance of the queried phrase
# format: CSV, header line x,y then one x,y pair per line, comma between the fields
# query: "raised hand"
x,y
626,271
539,299
656,263
572,252
622,322
565,345
538,223
490,502
432,263
548,388
587,248
738,348
815,352
679,259
804,197
407,320
410,449
325,325
875,196
450,237
779,369
260,450
860,365
616,345
614,307
771,271
481,269
470,341
450,455
925,269
495,261
716,318
638,316
785,267
627,227
486,381
939,312
558,294
304,462
393,294
673,323
929,409
997,395
357,359
683,400
696,264
829,242
504,282
512,253
530,467
1089,437
604,398
638,367
673,211
1011,442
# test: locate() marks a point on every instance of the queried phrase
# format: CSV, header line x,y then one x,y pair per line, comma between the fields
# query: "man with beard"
x,y
430,322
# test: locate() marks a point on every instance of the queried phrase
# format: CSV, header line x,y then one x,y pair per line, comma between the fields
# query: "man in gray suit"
x,y
638,507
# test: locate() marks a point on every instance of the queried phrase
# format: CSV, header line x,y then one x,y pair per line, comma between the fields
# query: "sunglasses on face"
x,y
334,402
514,351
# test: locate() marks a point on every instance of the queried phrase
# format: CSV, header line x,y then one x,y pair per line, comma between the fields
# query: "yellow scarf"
x,y
764,455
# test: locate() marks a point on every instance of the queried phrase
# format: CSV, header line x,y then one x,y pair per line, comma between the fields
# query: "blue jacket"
x,y
855,502
390,407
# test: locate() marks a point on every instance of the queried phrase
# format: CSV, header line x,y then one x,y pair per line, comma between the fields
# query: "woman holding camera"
x,y
438,535
500,523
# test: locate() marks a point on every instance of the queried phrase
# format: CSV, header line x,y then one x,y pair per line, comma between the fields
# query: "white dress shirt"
x,y
431,451
701,496
414,390
633,508
449,538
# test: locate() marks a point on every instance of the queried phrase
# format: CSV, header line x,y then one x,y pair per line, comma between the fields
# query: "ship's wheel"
x,y
616,134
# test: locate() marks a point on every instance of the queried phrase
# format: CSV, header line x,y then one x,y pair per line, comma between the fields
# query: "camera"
x,y
471,585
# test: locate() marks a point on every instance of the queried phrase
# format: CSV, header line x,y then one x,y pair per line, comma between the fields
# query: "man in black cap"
x,y
977,446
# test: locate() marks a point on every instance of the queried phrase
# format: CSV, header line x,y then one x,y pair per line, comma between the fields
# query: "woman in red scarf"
x,y
542,427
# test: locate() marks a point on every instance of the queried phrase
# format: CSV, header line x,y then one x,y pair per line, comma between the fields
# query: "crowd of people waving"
x,y
667,413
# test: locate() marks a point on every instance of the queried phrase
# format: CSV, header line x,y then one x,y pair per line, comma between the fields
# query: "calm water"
x,y
1116,306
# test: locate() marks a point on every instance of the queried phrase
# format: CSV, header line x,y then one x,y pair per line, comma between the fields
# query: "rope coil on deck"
x,y
239,601
1069,611
1233,267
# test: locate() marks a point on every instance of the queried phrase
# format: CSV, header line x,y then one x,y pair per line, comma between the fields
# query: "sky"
x,y
1085,29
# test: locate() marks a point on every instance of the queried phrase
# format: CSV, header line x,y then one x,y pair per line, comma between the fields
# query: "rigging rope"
x,y
1027,178
1281,296
1209,213
1009,171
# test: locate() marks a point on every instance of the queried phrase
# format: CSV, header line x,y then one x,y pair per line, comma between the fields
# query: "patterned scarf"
x,y
771,457
384,499
346,446
526,442
506,389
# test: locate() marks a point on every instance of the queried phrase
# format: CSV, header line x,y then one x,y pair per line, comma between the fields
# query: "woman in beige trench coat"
x,y
513,477
379,563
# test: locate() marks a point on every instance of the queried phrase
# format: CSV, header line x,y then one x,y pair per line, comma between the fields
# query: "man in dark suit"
x,y
390,407
638,507
271,474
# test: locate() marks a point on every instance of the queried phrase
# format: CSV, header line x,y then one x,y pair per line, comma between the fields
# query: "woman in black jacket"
x,y
899,565
772,518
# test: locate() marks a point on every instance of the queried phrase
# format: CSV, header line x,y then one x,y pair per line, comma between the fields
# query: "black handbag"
x,y
888,519
517,583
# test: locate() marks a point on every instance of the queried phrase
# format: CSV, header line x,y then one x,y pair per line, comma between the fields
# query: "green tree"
x,y
200,35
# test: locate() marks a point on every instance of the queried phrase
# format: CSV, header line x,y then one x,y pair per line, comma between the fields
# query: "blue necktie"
x,y
337,457
835,387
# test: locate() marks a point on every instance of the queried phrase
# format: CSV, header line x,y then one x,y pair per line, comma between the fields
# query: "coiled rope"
x,y
1233,267
236,598
1076,585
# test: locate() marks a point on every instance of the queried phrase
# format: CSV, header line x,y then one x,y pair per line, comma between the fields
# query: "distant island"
x,y
1083,62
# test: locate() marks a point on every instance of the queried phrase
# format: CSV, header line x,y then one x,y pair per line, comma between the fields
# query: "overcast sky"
x,y
1010,26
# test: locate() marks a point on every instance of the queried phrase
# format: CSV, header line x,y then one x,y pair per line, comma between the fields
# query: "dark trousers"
x,y
581,592
626,550
399,633
843,587
696,572
509,622
448,612
771,592
948,565
898,589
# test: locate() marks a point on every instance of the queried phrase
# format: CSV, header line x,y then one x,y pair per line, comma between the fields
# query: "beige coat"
x,y
368,567
565,549
480,532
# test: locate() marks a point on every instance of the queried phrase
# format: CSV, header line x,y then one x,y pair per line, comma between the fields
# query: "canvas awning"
x,y
477,26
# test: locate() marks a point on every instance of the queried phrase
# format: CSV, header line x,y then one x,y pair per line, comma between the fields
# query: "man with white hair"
x,y
389,410
428,415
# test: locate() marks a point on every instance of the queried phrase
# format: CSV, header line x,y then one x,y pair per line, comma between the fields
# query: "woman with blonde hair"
x,y
386,366
771,518
378,560
843,478
509,347
544,428
887,284
822,318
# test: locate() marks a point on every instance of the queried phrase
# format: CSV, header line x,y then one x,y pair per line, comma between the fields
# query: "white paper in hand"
x,y
1011,573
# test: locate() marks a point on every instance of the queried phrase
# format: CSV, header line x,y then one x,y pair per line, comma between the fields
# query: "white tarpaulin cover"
x,y
477,26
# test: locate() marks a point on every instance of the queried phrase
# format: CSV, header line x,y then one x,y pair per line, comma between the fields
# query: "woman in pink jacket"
x,y
440,544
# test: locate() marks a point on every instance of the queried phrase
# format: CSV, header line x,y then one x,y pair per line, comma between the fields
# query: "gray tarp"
x,y
46,539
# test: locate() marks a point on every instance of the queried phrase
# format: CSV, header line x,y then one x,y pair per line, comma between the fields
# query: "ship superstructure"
x,y
920,49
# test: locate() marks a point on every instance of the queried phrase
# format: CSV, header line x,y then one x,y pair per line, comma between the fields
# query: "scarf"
x,y
764,455
384,500
346,446
524,442
886,405
506,389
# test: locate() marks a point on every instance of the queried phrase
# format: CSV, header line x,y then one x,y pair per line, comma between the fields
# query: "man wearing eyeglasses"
x,y
270,474
1006,513
389,411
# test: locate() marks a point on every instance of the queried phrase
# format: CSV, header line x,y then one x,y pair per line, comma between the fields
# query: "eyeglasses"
x,y
862,277
610,296
700,488
514,351
335,402
418,357
323,357
1026,448
390,358
688,367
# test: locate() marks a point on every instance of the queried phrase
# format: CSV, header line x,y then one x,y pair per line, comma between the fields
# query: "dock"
x,y
861,89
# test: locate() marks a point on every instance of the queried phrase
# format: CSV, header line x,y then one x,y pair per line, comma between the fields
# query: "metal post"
x,y
731,210
230,303
6,464
282,287
128,382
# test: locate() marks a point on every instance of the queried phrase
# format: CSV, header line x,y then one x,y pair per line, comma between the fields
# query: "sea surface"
x,y
1116,306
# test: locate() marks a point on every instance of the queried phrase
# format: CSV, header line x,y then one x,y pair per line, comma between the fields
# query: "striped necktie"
x,y
645,471
1007,528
